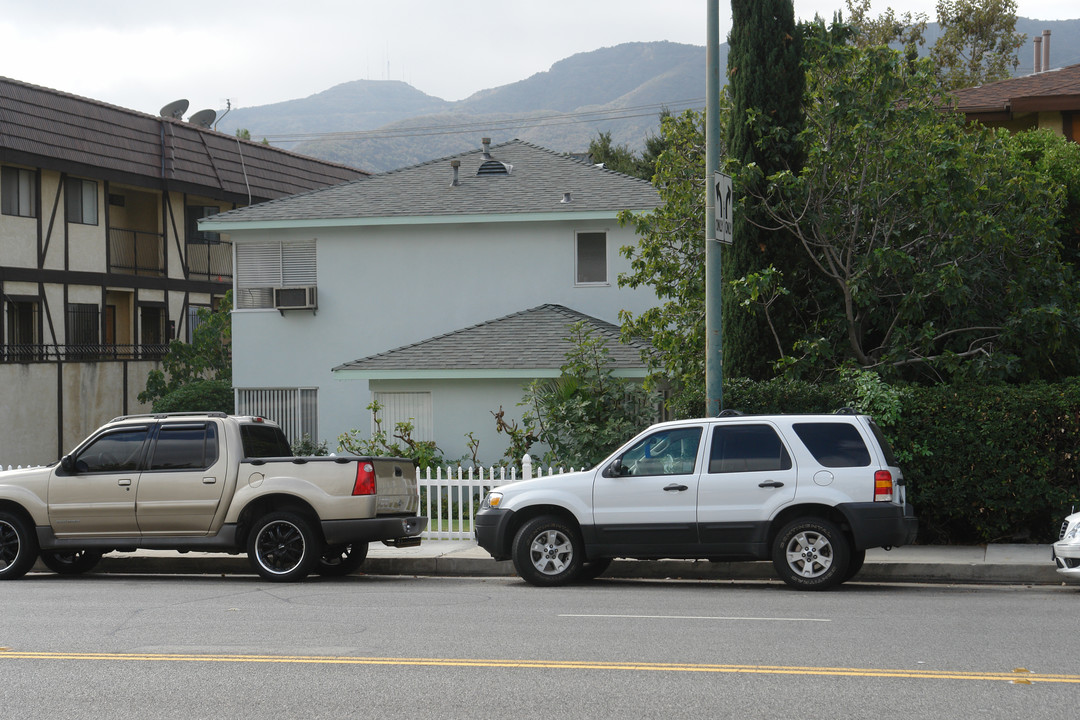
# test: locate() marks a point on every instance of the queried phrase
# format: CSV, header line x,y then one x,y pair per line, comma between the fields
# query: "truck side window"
x,y
112,452
747,448
834,444
264,441
185,447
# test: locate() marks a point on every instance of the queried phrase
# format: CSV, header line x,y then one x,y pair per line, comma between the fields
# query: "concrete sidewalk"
x,y
996,564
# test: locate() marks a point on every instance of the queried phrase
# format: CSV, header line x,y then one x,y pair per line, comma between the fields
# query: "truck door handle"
x,y
676,488
124,483
771,484
209,480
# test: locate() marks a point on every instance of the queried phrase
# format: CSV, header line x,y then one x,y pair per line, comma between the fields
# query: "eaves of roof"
x,y
1051,90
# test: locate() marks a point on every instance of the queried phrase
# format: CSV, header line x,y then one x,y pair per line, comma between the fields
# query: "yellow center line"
x,y
1015,676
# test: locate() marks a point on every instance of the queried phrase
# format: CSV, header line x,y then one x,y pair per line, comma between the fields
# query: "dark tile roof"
x,y
51,129
528,340
537,182
1057,89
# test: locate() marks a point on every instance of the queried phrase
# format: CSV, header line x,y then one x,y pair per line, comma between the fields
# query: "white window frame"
x,y
578,259
260,267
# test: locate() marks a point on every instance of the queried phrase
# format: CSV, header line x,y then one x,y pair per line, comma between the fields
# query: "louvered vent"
x,y
494,167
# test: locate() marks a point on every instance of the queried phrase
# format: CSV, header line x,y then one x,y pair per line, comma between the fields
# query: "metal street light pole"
x,y
714,353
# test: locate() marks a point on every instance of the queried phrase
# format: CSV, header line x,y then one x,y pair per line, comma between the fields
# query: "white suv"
x,y
811,492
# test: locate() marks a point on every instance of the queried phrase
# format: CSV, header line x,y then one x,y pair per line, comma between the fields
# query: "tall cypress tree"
x,y
766,83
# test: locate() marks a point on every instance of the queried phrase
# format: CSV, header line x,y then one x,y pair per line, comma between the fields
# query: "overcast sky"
x,y
142,55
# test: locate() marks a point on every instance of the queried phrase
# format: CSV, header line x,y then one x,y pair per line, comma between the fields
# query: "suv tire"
x,y
548,551
811,554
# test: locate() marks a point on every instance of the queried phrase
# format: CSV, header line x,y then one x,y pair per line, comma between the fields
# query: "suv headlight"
x,y
1073,532
491,501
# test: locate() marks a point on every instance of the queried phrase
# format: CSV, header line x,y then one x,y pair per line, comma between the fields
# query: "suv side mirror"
x,y
615,469
68,463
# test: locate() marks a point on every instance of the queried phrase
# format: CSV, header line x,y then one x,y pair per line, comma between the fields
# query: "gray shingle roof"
x,y
527,340
537,182
48,128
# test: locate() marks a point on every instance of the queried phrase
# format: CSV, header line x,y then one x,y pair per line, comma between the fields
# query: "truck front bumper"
x,y
342,532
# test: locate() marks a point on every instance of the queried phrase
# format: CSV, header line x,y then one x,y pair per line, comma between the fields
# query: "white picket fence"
x,y
19,467
451,499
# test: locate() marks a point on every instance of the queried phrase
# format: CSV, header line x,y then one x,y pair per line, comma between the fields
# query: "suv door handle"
x,y
771,484
676,488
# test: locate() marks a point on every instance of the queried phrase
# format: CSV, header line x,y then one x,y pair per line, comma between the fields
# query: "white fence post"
x,y
526,467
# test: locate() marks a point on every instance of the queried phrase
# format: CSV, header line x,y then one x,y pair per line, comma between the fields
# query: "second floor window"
x,y
261,267
82,202
18,192
194,214
591,258
22,322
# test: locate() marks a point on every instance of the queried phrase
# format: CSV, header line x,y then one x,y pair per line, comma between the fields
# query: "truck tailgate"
x,y
395,483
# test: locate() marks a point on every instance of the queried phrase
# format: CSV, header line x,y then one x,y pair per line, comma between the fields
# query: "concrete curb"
x,y
475,563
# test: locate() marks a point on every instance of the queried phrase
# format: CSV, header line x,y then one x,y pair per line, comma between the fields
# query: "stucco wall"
x,y
384,287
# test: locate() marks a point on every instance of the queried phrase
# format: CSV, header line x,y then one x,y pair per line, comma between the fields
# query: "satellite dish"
x,y
203,118
174,109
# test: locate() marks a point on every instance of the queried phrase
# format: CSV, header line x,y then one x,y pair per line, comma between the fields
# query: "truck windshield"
x,y
263,441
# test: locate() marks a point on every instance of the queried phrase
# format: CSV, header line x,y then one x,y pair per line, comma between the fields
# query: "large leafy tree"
x,y
978,43
766,79
934,245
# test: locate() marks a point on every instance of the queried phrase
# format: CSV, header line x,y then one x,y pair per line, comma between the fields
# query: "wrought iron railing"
x,y
80,353
136,252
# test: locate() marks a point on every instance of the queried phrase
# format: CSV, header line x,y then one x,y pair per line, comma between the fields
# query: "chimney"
x,y
455,164
1046,50
486,142
1038,55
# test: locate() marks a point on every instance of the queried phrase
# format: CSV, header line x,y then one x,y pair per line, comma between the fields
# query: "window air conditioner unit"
x,y
296,298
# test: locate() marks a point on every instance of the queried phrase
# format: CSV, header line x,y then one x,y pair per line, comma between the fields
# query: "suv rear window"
x,y
263,441
834,444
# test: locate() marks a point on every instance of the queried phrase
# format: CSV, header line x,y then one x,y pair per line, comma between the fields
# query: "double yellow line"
x,y
1019,675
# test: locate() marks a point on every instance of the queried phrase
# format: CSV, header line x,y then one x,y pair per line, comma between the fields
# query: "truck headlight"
x,y
491,501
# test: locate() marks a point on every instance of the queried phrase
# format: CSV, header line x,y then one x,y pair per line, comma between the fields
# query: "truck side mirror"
x,y
68,463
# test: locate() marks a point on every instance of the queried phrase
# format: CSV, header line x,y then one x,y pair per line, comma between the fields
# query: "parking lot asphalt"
x,y
1009,564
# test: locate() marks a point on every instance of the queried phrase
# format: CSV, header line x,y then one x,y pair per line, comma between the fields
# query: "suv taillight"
x,y
365,479
883,486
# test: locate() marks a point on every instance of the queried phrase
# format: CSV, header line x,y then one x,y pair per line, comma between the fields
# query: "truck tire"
x,y
18,547
811,554
72,562
548,551
342,559
283,546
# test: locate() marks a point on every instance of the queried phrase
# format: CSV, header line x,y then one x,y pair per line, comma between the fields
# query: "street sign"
x,y
722,217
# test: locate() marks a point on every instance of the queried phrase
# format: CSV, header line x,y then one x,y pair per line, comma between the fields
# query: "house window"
x,y
23,340
18,192
405,407
82,204
296,410
261,267
152,325
196,213
591,258
83,324
193,321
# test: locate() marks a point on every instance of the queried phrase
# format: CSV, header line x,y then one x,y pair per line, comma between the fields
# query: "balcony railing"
x,y
136,252
80,353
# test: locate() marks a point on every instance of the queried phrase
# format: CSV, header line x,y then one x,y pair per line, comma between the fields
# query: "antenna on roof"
x,y
174,109
203,118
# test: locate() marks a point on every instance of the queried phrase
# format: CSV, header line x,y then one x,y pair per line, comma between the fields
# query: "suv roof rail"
x,y
729,413
846,411
159,416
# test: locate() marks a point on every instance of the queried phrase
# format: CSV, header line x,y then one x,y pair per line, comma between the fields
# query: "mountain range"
x,y
382,125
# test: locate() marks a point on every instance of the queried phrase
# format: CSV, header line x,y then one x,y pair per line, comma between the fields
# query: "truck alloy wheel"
x,y
283,547
18,547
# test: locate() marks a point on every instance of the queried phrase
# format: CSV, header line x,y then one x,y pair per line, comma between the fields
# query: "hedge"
x,y
983,463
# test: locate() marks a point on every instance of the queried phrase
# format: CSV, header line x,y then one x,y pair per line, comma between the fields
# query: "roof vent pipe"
x,y
455,164
1038,55
566,198
486,142
1046,50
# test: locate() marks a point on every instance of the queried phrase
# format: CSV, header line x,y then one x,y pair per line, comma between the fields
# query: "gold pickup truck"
x,y
205,482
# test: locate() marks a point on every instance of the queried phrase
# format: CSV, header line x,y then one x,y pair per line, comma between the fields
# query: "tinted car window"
x,y
115,452
668,452
834,444
747,448
886,448
185,447
262,441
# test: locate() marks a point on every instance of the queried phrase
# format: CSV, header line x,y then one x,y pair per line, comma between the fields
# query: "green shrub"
x,y
198,396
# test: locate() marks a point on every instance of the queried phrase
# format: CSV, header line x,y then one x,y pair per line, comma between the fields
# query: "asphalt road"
x,y
203,646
